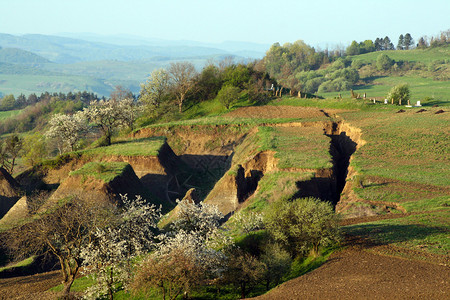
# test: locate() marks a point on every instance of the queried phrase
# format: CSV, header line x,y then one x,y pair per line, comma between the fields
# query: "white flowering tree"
x,y
203,219
109,255
111,115
67,130
248,222
154,89
189,255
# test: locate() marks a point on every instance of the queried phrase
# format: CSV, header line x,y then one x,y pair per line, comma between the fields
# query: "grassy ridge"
x,y
105,171
408,146
138,147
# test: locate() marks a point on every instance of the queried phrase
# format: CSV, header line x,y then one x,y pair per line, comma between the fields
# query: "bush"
x,y
228,95
303,225
399,93
278,263
384,62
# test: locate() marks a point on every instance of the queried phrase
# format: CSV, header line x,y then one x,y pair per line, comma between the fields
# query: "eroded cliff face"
x,y
210,153
95,191
333,184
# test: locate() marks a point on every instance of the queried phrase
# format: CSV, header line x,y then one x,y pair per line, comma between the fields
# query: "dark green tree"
x,y
384,62
378,44
422,44
401,42
409,42
353,49
387,44
228,95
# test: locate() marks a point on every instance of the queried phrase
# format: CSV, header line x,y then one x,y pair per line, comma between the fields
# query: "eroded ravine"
x,y
241,182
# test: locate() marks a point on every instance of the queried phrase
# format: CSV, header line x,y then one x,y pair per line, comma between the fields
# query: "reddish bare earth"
x,y
358,274
32,287
271,112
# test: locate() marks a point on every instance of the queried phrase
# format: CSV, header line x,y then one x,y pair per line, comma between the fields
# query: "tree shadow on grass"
x,y
384,234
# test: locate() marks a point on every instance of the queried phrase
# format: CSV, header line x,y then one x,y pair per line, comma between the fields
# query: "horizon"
x,y
262,22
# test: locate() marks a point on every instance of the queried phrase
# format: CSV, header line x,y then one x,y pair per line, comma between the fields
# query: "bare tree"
x,y
10,149
121,93
182,75
62,233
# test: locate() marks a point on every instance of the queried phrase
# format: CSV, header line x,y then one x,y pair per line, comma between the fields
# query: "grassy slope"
x,y
9,113
105,171
405,161
421,85
427,90
138,147
416,55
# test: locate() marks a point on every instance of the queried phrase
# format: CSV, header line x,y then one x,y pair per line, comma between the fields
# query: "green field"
x,y
27,84
9,113
425,56
426,90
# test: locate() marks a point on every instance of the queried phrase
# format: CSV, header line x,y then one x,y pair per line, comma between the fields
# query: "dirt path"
x,y
33,287
357,274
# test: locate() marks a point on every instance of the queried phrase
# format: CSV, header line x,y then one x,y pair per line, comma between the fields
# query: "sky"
x,y
317,22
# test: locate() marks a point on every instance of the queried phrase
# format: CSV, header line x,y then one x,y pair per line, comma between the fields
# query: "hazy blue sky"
x,y
261,21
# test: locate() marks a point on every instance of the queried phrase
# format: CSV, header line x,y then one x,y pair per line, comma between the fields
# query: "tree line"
x,y
124,247
9,102
167,92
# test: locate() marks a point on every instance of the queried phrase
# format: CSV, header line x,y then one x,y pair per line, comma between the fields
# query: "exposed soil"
x,y
358,274
265,112
30,287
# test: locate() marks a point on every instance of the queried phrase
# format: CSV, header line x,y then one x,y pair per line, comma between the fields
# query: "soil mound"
x,y
18,212
95,189
9,192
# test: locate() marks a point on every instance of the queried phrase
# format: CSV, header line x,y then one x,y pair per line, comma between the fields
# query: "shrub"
x,y
243,270
399,93
277,261
303,225
384,62
228,95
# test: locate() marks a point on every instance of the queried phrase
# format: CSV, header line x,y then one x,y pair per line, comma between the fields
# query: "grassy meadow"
x,y
426,90
425,56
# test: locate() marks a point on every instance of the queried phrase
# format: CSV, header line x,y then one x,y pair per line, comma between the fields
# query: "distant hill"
x,y
70,50
15,55
35,63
